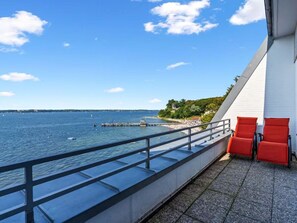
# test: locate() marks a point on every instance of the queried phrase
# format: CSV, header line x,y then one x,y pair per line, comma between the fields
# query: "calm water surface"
x,y
27,136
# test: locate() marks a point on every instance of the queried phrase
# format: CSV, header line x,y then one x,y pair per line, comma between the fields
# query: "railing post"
x,y
224,126
147,163
211,131
189,139
29,194
229,124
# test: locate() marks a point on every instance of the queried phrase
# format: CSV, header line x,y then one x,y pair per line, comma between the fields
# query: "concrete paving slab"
x,y
285,199
206,212
236,218
231,179
256,192
203,181
280,216
211,173
166,214
182,202
255,196
215,198
224,187
186,219
251,209
193,190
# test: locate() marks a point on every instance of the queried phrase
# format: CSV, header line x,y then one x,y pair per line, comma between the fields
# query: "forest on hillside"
x,y
202,109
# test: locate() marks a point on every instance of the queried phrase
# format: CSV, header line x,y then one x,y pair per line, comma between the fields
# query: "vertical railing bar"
x,y
229,124
189,139
29,194
147,163
211,131
224,126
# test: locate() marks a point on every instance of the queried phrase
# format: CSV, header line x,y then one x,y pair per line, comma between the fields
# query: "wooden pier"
x,y
136,124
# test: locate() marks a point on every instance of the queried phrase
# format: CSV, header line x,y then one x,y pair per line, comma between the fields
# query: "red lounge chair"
x,y
243,140
275,143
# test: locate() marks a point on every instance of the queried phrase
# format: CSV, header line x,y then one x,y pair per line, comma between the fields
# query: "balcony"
x,y
131,184
184,179
235,190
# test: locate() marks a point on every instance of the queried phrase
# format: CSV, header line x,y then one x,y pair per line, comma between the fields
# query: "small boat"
x,y
71,138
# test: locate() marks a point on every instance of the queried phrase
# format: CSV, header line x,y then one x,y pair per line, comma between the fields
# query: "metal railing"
x,y
30,182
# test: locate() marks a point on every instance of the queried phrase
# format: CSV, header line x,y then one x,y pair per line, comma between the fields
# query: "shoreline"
x,y
182,123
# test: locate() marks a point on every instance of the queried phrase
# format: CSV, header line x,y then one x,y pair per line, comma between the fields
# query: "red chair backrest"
x,y
276,130
245,127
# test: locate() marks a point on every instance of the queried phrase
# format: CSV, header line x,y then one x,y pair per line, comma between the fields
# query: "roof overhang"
x,y
281,16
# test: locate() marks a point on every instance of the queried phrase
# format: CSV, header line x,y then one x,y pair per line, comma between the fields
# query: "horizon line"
x,y
71,109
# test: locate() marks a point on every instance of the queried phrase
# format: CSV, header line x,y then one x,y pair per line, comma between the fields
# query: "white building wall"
x,y
280,95
250,100
271,90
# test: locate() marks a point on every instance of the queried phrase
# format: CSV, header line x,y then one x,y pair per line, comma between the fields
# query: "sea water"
x,y
28,136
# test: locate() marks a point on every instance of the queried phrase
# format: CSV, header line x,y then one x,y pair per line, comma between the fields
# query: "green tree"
x,y
231,87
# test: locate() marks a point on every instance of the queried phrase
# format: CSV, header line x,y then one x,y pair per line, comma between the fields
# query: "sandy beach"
x,y
184,124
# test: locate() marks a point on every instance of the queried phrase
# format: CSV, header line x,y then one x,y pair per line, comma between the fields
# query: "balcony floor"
x,y
235,190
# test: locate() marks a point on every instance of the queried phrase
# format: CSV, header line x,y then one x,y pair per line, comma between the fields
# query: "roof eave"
x,y
268,12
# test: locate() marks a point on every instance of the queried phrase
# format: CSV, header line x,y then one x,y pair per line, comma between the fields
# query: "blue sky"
x,y
123,54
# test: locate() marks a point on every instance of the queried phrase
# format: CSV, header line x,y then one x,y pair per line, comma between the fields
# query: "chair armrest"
x,y
290,143
290,157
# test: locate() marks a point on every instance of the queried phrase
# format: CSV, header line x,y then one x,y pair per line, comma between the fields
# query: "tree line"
x,y
204,109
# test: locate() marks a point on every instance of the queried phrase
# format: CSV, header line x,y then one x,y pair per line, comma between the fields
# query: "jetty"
x,y
134,124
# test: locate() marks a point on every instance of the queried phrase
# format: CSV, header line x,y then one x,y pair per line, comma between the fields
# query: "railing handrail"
x,y
46,159
31,182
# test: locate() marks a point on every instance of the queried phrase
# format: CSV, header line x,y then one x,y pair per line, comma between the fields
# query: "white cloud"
x,y
8,49
155,100
115,90
180,18
175,65
13,29
149,27
251,11
154,0
18,77
6,94
66,45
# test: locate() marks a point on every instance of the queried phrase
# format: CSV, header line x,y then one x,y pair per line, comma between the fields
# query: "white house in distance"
x,y
268,86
